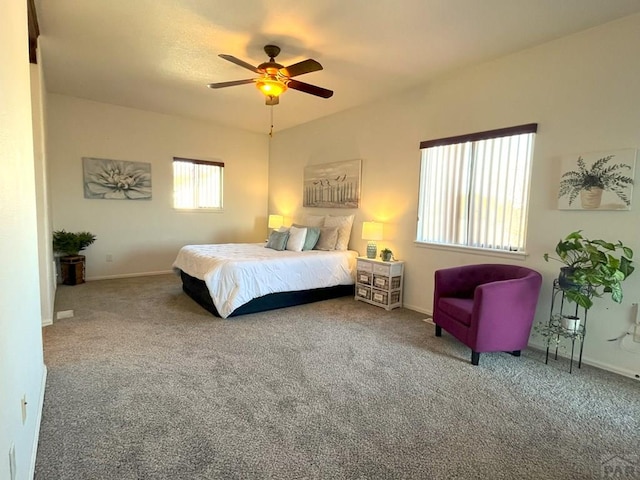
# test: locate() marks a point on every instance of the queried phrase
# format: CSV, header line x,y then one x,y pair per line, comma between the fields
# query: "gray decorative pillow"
x,y
328,238
278,240
313,233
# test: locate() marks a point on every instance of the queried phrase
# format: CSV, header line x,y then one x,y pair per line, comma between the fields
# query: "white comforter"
x,y
236,273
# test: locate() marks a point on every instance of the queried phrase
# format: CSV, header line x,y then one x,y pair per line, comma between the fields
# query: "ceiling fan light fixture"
x,y
274,79
271,86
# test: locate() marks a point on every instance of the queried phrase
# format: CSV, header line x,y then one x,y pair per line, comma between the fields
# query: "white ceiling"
x,y
159,55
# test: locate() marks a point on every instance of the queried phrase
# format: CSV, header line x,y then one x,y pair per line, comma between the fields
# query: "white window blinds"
x,y
474,189
197,184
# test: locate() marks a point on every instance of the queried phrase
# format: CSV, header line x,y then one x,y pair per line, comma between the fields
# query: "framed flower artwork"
x,y
116,179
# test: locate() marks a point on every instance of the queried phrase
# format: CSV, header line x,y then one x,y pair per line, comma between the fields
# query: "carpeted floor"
x,y
145,384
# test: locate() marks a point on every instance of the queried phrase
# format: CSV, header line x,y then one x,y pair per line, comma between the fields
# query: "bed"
x,y
240,278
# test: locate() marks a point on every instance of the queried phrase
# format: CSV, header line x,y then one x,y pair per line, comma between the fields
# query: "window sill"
x,y
473,250
198,210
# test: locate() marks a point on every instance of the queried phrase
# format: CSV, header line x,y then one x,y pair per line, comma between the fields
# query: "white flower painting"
x,y
116,179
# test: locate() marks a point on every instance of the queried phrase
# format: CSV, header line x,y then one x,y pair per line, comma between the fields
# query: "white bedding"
x,y
236,273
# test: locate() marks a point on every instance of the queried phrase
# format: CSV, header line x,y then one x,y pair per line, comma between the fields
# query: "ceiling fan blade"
x,y
312,89
306,66
230,84
239,62
272,101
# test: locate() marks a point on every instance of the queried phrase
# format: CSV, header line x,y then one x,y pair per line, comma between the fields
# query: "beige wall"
x,y
22,370
581,90
144,236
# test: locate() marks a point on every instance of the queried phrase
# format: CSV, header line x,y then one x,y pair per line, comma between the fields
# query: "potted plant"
x,y
589,183
71,263
386,254
592,268
570,323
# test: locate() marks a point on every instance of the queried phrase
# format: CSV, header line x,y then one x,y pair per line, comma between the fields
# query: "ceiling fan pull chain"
x,y
271,130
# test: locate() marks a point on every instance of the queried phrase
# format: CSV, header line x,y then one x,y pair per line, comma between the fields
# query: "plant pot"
x,y
72,269
570,323
386,256
564,279
591,199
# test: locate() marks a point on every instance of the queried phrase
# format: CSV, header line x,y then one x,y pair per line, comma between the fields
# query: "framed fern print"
x,y
597,181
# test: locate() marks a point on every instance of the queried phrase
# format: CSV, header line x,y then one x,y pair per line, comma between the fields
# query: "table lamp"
x,y
275,221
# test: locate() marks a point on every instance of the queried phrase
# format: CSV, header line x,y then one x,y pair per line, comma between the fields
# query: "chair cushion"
x,y
458,308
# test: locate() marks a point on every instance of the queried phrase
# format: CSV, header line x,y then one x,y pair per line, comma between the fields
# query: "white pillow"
x,y
296,239
344,224
313,220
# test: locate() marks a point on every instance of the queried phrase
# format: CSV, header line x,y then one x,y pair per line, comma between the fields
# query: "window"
x,y
474,189
197,184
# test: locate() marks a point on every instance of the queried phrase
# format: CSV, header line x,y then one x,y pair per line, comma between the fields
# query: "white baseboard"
x,y
128,275
585,359
47,321
611,368
428,314
36,436
417,309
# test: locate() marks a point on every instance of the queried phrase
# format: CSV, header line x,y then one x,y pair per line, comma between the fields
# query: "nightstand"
x,y
379,283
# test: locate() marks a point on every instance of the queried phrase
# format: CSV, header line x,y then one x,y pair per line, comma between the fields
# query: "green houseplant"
x,y
589,183
71,243
592,268
72,264
386,254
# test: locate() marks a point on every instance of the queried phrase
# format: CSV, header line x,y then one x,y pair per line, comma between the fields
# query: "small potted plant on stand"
x,y
72,264
592,268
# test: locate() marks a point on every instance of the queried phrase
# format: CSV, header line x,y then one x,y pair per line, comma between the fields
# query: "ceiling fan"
x,y
275,78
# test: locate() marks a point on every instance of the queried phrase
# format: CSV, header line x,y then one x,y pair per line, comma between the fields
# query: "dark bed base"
x,y
197,290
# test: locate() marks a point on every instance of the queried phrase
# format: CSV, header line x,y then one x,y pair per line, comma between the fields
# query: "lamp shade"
x,y
371,231
271,86
275,221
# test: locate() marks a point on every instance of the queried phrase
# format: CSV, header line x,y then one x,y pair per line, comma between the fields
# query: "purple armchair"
x,y
489,307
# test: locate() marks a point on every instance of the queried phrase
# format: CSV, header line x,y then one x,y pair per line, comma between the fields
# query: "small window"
x,y
474,189
197,184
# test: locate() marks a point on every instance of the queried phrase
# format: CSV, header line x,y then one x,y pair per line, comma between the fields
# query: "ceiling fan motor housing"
x,y
272,51
271,67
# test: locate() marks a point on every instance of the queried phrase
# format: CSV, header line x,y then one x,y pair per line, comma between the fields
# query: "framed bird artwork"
x,y
332,185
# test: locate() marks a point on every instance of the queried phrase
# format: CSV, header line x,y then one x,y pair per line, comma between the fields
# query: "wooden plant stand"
x,y
72,269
